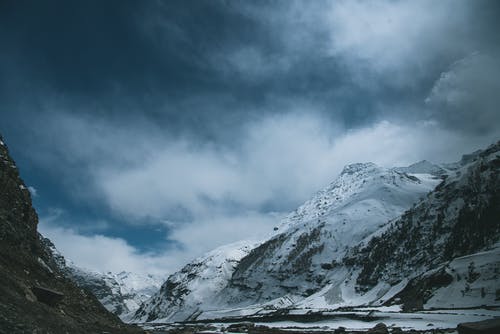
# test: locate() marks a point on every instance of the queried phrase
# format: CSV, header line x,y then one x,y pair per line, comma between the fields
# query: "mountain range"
x,y
419,237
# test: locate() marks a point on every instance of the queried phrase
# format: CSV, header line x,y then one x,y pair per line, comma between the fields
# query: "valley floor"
x,y
352,321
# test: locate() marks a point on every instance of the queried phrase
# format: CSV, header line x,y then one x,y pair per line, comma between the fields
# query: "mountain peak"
x,y
423,167
358,167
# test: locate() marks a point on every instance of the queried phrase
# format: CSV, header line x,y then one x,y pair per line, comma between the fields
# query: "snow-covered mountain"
x,y
120,293
307,245
314,239
374,237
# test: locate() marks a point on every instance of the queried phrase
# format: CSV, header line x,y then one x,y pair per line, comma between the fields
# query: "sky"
x,y
151,132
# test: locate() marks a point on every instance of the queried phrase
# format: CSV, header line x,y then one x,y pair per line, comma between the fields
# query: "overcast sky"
x,y
153,131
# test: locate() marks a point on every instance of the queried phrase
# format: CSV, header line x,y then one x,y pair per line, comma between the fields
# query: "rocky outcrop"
x,y
35,295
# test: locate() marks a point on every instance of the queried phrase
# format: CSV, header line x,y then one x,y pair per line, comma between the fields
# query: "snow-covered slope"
x,y
186,293
306,246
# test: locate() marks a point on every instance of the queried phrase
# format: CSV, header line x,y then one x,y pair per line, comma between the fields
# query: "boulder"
x,y
379,328
491,326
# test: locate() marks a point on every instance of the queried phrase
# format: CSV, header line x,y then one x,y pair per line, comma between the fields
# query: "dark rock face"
x,y
35,295
47,296
19,219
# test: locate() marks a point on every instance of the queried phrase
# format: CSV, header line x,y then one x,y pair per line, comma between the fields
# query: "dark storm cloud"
x,y
95,47
107,58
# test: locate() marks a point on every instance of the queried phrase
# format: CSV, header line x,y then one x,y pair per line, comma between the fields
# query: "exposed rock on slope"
x,y
27,271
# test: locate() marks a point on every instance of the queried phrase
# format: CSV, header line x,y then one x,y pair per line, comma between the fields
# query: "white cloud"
x,y
398,39
206,234
381,43
100,253
466,96
281,161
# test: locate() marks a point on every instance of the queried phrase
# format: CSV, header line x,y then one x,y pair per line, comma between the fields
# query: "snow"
x,y
427,320
406,321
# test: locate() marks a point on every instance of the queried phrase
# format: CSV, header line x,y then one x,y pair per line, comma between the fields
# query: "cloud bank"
x,y
208,196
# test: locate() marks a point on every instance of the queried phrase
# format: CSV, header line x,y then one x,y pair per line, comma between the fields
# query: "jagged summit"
x,y
358,183
358,167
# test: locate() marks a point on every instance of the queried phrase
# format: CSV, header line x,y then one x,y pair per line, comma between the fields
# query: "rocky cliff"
x,y
35,296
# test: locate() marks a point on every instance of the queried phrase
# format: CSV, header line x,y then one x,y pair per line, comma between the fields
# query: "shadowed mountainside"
x,y
35,296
